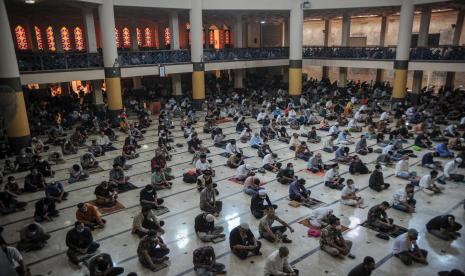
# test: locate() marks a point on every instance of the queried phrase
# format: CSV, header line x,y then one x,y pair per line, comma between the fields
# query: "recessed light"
x,y
262,22
30,1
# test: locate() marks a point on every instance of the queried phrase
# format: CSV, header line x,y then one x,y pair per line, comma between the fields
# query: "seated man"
x,y
269,162
357,166
152,250
320,217
443,151
444,227
257,206
312,136
242,242
9,204
302,152
43,167
32,237
245,135
349,196
361,146
294,142
378,219
342,155
77,173
376,181
88,161
403,199
315,164
205,262
273,233
12,260
148,198
243,172
232,148
104,141
118,178
204,180
80,243
344,138
449,171
235,160
365,268
252,185
145,221
204,225
96,149
422,141
106,195
427,183
332,241
55,191
332,178
90,216
45,210
202,165
299,193
402,170
277,263
68,148
102,265
428,161
256,141
406,249
159,181
263,150
286,175
352,126
34,181
208,202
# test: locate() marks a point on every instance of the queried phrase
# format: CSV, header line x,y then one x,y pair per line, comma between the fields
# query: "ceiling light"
x,y
262,22
30,1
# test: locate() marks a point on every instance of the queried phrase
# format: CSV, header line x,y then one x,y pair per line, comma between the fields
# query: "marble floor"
x,y
183,201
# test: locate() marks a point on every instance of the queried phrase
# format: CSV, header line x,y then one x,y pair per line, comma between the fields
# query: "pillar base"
x,y
414,99
197,104
113,117
19,142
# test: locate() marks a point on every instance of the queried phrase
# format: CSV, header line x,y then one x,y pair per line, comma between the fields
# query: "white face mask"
x,y
80,230
338,227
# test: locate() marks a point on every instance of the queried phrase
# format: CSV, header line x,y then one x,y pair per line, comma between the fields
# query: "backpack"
x,y
190,177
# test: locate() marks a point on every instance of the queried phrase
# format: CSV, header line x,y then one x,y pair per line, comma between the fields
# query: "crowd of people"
x,y
334,118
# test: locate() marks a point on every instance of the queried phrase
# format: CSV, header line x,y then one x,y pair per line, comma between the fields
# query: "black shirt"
x,y
256,203
75,239
102,191
359,270
236,239
439,222
145,195
202,225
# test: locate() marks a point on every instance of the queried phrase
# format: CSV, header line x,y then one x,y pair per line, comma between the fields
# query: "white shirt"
x,y
330,174
275,265
14,256
232,149
384,116
352,123
294,141
401,166
202,166
268,159
426,181
333,130
244,132
103,140
401,244
387,149
261,116
328,143
449,168
399,196
242,170
347,190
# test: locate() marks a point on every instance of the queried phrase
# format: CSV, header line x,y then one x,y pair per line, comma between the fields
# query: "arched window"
x,y
211,37
227,37
50,39
148,37
139,37
167,37
117,38
21,39
40,43
79,39
65,40
126,38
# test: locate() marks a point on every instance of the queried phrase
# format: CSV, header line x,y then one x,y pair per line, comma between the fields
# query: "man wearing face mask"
x,y
32,237
376,181
405,248
332,241
80,243
149,198
365,268
152,250
90,216
102,265
286,175
145,221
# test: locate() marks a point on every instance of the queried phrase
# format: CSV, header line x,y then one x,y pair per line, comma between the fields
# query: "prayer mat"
x,y
107,210
219,239
226,155
321,174
315,203
129,186
394,233
222,121
307,223
235,180
94,170
160,211
159,266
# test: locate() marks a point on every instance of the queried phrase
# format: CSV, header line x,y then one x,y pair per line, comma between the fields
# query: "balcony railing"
x,y
73,61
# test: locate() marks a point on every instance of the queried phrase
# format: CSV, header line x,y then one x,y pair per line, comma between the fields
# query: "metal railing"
x,y
72,61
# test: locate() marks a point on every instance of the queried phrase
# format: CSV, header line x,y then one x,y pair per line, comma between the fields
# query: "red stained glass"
x,y
21,39
50,39
79,39
126,38
148,37
65,40
139,37
40,43
167,36
117,38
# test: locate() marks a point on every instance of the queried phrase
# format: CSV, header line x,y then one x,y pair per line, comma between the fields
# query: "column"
x,y
296,22
89,24
238,73
326,32
422,42
97,94
345,43
403,50
110,58
382,38
176,86
66,89
18,131
198,74
450,76
286,32
174,29
137,82
134,43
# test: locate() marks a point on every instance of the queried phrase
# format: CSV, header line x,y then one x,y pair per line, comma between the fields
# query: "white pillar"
x,y
134,43
174,29
97,93
238,73
9,64
296,22
422,42
450,76
176,86
195,16
89,24
107,30
382,38
343,71
326,32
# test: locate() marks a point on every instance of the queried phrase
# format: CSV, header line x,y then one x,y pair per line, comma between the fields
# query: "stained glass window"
x,y
155,39
148,37
40,43
65,40
117,38
79,39
21,39
227,37
139,37
211,35
50,39
167,36
126,38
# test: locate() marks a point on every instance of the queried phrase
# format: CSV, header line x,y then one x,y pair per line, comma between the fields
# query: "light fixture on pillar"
x,y
306,5
30,1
